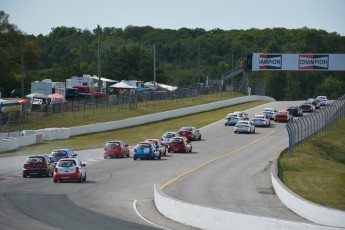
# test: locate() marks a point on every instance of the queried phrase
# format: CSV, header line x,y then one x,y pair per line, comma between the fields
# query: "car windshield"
x,y
168,135
186,129
143,146
176,140
112,144
59,153
66,163
34,160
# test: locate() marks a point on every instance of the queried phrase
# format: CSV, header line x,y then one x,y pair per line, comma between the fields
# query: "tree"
x,y
10,41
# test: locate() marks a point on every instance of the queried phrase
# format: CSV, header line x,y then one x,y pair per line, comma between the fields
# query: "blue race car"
x,y
58,154
146,150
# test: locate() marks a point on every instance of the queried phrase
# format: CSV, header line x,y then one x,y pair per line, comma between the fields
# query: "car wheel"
x,y
254,130
134,158
165,152
80,179
55,181
159,156
199,137
84,179
25,176
190,150
122,156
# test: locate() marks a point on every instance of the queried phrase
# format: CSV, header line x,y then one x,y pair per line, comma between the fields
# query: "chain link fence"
x,y
308,127
11,124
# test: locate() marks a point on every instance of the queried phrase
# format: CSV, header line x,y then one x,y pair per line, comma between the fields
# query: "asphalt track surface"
x,y
225,171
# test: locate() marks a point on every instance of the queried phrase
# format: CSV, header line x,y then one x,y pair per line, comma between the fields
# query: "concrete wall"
x,y
8,144
209,218
310,211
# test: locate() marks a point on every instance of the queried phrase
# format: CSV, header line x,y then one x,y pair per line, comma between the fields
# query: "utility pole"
x,y
199,64
154,63
22,67
232,67
99,62
232,62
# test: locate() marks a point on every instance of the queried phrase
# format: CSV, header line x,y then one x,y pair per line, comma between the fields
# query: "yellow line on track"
x,y
212,160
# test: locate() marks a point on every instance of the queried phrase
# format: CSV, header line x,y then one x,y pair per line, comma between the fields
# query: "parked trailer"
x,y
48,87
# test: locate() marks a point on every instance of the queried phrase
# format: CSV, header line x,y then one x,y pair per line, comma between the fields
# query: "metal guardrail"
x,y
308,127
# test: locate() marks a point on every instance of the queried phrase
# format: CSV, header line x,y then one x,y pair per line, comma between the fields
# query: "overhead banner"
x,y
298,62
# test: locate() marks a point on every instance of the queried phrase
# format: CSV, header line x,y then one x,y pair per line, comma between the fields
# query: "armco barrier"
x,y
311,211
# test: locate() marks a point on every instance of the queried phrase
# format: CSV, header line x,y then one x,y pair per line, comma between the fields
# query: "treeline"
x,y
183,57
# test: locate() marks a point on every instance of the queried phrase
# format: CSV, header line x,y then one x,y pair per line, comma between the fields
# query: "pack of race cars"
x,y
243,124
63,164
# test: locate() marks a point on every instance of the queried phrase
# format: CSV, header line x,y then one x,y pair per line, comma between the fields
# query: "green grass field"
x,y
316,171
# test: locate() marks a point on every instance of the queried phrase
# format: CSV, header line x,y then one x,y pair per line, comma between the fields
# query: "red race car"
x,y
191,133
283,116
179,144
70,169
116,148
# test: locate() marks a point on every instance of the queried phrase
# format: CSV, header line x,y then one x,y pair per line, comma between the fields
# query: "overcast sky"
x,y
40,16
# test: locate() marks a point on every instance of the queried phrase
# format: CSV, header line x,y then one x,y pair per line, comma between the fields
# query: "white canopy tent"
x,y
122,85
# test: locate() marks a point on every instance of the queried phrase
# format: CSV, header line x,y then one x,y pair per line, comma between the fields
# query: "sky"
x,y
41,16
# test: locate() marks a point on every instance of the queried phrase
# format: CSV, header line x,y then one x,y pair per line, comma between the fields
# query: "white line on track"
x,y
146,220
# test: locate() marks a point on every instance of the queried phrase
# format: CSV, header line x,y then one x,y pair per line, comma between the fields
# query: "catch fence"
x,y
11,124
308,127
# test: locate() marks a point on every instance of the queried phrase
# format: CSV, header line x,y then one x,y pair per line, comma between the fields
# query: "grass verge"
x,y
316,171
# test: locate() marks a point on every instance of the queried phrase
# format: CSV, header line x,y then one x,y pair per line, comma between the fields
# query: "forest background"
x,y
183,57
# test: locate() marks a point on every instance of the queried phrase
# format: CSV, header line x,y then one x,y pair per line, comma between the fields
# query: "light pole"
x,y
154,63
22,67
99,62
